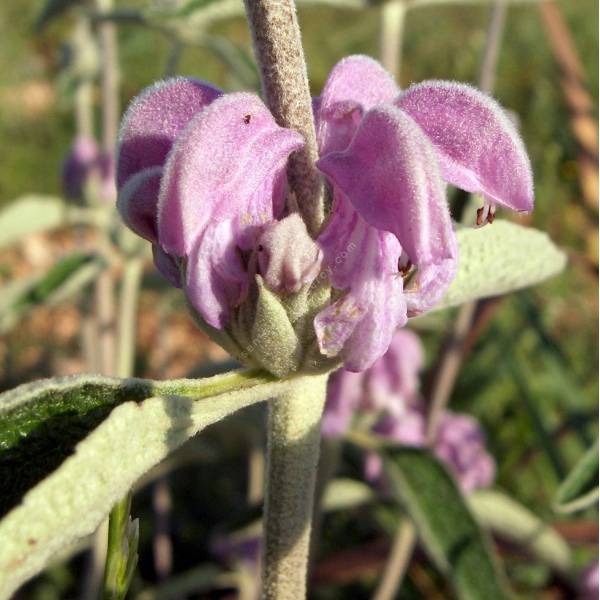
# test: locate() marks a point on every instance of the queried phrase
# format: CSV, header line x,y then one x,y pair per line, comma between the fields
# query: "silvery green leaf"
x,y
36,213
580,489
70,448
500,258
446,527
515,523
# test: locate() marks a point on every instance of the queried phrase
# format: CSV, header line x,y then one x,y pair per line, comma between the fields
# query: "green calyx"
x,y
275,331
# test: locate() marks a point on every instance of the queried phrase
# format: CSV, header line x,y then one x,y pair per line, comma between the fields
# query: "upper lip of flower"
x,y
221,161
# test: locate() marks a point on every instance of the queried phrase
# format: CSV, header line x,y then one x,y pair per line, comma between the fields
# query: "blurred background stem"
x,y
393,16
117,341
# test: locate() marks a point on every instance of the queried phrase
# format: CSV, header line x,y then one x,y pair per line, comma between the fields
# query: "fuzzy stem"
x,y
128,305
280,58
393,14
292,455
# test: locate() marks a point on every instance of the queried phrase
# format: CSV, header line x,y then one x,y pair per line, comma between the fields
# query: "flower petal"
x,y
288,257
344,390
154,119
166,265
355,85
137,202
362,260
229,163
392,382
390,174
479,148
216,279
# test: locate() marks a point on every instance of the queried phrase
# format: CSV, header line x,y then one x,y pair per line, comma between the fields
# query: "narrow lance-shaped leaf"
x,y
515,523
70,448
500,258
580,489
61,282
445,525
33,214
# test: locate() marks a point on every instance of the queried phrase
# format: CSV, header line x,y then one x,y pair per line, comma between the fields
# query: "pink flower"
x,y
390,385
85,164
389,390
202,175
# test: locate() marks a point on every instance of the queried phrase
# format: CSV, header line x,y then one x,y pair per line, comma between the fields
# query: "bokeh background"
x,y
530,368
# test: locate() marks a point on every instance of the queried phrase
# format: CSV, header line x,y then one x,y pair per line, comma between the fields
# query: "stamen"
x,y
405,265
486,214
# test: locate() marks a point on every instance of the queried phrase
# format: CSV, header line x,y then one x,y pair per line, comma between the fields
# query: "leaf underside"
x,y
500,258
70,448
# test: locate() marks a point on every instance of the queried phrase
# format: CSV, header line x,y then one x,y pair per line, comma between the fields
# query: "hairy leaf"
x,y
500,258
71,447
445,525
580,489
511,521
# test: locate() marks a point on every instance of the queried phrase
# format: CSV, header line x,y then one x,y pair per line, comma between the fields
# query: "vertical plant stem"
x,y
397,564
121,555
84,114
85,44
109,79
128,303
294,435
280,59
489,63
393,16
452,353
162,546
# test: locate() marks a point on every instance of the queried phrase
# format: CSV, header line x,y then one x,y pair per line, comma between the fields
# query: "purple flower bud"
x,y
390,385
288,258
79,165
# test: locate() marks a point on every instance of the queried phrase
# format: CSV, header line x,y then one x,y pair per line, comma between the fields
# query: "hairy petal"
x,y
137,202
390,175
216,279
392,382
478,146
362,260
227,165
355,85
288,257
154,119
167,266
344,390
